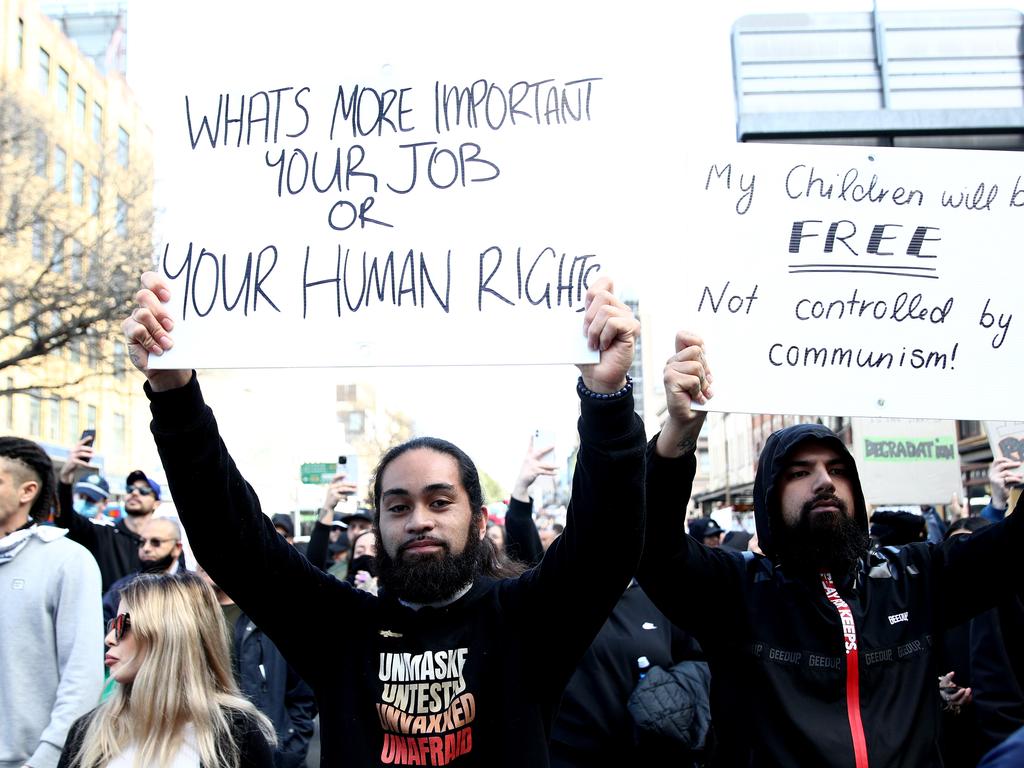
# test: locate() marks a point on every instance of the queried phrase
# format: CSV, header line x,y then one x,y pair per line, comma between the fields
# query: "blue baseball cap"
x,y
93,487
138,474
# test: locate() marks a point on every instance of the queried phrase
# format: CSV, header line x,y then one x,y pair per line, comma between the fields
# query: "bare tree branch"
x,y
68,269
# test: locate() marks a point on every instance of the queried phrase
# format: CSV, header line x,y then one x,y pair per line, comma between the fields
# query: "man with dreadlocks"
x,y
50,671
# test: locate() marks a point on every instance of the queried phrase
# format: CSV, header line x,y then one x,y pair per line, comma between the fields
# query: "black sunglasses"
x,y
119,625
154,542
142,490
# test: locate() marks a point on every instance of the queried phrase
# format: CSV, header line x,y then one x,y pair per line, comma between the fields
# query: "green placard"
x,y
318,474
909,449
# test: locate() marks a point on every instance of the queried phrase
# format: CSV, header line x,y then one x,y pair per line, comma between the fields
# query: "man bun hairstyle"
x,y
36,465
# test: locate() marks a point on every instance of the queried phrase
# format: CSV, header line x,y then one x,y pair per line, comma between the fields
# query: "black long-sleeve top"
x,y
477,680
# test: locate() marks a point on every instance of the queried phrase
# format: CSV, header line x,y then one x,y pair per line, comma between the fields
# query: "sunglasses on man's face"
x,y
155,543
119,625
142,490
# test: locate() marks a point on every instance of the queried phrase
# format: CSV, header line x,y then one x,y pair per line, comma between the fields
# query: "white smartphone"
x,y
543,438
349,465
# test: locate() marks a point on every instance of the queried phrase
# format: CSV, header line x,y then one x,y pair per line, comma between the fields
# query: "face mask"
x,y
366,563
84,507
157,566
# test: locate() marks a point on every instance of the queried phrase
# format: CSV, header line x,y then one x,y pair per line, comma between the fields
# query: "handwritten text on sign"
x,y
853,281
372,222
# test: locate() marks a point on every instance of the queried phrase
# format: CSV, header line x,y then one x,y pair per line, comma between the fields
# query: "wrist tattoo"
x,y
687,445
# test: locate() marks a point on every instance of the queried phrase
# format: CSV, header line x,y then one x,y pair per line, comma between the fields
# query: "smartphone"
x,y
350,466
89,435
543,438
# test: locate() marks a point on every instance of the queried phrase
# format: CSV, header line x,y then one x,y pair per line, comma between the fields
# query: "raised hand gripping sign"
x,y
853,281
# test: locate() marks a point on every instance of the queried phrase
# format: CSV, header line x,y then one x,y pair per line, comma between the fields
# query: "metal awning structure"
x,y
878,74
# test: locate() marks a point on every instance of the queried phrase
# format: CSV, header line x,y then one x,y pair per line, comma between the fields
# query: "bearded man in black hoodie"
x,y
821,652
451,664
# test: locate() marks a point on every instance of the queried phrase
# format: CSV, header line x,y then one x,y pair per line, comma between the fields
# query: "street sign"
x,y
318,474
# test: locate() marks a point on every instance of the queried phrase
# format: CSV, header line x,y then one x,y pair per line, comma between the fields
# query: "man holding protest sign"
x,y
821,652
450,662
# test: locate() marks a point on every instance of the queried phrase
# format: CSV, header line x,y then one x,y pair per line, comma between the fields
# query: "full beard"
x,y
830,541
430,578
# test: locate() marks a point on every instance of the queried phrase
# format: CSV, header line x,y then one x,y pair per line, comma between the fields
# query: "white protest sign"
x,y
906,461
851,281
392,184
1006,439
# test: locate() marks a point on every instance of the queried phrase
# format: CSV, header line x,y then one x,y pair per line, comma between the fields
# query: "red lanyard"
x,y
860,747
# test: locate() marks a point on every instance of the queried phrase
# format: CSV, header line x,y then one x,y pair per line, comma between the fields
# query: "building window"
x,y
57,262
121,223
80,101
97,122
94,196
60,169
21,43
53,431
63,92
35,409
38,241
90,267
355,424
34,315
346,393
90,417
122,147
78,183
76,261
119,360
42,152
73,416
969,429
75,352
44,73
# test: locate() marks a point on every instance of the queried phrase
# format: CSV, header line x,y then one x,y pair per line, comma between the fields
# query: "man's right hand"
x,y
79,458
1004,474
147,330
533,467
687,380
336,492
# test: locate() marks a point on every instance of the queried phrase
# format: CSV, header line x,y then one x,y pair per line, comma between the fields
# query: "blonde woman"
x,y
177,704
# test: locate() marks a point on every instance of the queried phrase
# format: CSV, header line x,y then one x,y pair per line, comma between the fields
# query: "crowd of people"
x,y
420,632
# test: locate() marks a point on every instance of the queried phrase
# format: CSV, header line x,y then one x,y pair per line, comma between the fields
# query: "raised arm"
x,y
80,529
977,572
572,592
522,542
680,575
319,539
231,537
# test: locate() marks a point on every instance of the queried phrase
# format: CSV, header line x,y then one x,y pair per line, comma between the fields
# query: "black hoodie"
x,y
472,683
781,693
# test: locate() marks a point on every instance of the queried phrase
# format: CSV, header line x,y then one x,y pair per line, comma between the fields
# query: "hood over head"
x,y
779,446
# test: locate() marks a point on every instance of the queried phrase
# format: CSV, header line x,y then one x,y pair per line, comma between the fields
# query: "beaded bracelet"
x,y
581,388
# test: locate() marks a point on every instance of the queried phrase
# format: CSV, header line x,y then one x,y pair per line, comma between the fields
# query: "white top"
x,y
186,757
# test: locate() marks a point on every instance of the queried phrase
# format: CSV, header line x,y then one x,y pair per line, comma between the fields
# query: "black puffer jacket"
x,y
784,689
